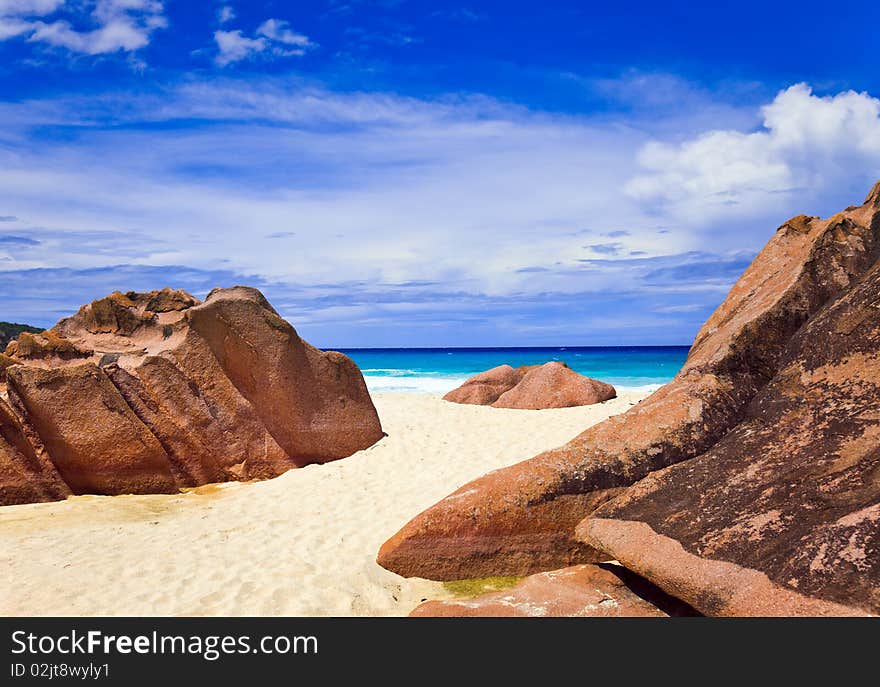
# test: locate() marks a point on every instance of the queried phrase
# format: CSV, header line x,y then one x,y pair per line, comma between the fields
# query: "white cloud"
x,y
375,186
114,24
28,8
273,37
807,145
484,201
233,46
225,14
10,28
278,30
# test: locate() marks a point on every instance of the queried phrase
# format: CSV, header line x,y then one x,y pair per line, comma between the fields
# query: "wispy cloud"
x,y
91,28
273,39
297,184
225,14
396,36
28,8
465,15
344,313
280,32
375,215
233,46
372,184
18,240
606,248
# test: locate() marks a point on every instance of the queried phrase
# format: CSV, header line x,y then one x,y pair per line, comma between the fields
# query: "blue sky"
x,y
397,173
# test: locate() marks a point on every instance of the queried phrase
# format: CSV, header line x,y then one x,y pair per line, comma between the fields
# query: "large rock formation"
x,y
522,519
787,504
532,387
150,392
583,591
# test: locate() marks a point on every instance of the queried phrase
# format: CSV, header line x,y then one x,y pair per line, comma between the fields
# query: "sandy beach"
x,y
301,544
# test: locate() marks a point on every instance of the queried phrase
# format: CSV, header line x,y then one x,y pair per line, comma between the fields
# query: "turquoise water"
x,y
438,370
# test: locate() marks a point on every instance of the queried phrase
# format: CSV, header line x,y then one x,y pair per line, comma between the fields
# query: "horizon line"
x,y
492,348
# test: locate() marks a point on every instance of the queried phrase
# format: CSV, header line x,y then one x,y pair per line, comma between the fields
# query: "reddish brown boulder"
x,y
521,519
150,392
554,385
485,388
584,591
531,387
782,516
314,404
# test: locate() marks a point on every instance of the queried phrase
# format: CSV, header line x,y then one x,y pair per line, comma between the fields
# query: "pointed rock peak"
x,y
874,196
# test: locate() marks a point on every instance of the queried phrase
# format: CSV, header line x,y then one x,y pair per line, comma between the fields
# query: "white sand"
x,y
301,544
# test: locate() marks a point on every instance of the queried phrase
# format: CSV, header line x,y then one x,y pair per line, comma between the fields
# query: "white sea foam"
x,y
398,380
418,385
389,372
643,388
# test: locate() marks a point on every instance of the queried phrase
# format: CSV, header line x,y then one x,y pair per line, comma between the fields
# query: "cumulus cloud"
x,y
807,144
91,28
273,38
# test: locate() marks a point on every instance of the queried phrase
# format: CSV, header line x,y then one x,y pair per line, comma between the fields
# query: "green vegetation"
x,y
10,331
480,585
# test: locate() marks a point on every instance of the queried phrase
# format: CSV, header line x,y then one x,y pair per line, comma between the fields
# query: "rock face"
x,y
25,474
150,392
522,519
585,591
793,491
535,387
94,439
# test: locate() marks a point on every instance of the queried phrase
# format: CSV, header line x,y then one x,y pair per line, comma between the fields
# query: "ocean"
x,y
438,370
